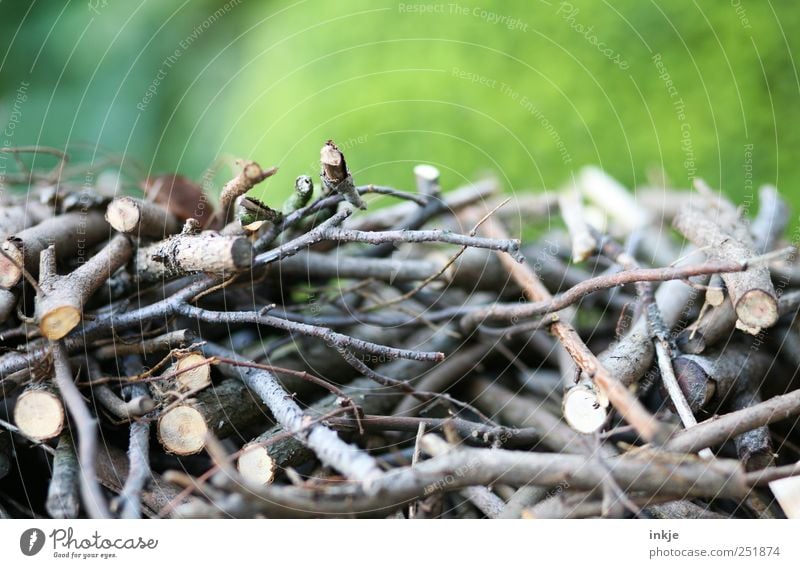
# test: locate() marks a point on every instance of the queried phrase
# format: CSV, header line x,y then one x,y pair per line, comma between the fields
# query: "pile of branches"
x,y
173,355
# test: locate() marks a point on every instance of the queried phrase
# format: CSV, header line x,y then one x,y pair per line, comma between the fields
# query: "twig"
x,y
86,425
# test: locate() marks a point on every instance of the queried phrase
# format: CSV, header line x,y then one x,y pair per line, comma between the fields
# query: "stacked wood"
x,y
176,354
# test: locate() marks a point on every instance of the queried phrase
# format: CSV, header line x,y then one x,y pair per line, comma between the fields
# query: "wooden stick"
x,y
251,175
141,218
86,425
70,233
139,472
146,347
336,177
187,254
393,490
223,409
752,293
63,494
331,450
5,453
61,299
627,405
719,429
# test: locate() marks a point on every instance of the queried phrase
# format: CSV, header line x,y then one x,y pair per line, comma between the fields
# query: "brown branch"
x,y
70,233
61,299
141,218
752,293
622,399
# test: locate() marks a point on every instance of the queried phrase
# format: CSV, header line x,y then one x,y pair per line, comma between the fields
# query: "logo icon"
x,y
31,542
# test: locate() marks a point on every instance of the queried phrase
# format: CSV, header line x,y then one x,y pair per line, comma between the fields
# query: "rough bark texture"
x,y
751,292
61,299
187,254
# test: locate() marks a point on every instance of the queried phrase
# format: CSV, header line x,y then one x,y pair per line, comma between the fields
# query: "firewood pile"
x,y
366,351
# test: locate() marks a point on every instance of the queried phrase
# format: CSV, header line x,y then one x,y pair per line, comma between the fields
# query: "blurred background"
x,y
532,90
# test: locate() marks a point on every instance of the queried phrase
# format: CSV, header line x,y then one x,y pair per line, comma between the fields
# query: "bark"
x,y
751,292
467,467
186,254
63,495
93,500
61,299
129,502
681,510
223,410
715,377
141,218
72,234
147,347
719,429
348,459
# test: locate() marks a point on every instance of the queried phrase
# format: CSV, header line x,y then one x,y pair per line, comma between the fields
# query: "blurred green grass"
x,y
519,88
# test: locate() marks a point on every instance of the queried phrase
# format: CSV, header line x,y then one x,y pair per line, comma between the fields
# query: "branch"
x,y
61,299
187,253
141,218
71,234
93,498
329,448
